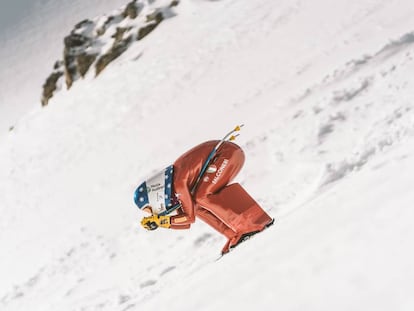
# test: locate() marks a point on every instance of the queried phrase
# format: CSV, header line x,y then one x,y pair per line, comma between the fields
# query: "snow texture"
x,y
325,90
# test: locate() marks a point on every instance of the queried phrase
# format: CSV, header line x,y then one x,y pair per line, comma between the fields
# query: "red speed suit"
x,y
227,208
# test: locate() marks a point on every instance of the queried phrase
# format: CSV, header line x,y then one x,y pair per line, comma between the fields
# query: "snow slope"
x,y
325,92
32,32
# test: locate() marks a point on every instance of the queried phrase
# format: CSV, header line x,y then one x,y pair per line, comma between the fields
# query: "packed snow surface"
x,y
325,91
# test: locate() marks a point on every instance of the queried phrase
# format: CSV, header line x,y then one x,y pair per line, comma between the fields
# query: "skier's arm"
x,y
153,222
187,217
178,227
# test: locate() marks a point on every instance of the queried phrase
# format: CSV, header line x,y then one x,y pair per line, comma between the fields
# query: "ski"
x,y
245,238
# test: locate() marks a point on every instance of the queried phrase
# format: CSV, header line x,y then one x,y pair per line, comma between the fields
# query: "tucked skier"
x,y
198,187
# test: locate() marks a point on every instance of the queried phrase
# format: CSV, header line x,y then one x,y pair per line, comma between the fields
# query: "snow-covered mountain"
x,y
325,92
32,33
93,44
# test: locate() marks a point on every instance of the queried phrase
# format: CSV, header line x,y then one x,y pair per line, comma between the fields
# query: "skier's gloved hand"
x,y
155,221
148,224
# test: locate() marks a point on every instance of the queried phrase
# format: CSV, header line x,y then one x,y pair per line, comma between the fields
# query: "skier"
x,y
228,208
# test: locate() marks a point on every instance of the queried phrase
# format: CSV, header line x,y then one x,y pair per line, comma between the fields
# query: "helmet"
x,y
156,191
141,196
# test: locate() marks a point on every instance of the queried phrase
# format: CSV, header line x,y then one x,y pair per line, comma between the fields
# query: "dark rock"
x,y
58,64
83,62
155,19
101,31
70,76
83,23
119,34
174,3
113,53
50,86
69,69
144,31
74,57
75,40
132,9
83,47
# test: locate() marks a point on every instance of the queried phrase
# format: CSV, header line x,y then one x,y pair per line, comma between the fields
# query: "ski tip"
x,y
271,223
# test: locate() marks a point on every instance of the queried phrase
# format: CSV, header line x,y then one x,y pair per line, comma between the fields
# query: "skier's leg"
x,y
237,209
231,205
214,222
234,207
221,227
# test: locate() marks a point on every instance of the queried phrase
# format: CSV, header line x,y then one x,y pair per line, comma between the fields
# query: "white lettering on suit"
x,y
220,171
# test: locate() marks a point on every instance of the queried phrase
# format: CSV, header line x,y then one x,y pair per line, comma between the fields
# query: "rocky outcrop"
x,y
153,21
117,49
50,86
76,59
132,9
83,62
96,43
174,3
